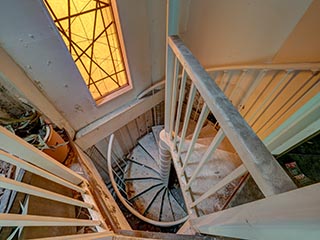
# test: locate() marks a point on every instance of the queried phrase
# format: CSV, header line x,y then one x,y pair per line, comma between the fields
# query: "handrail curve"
x,y
124,201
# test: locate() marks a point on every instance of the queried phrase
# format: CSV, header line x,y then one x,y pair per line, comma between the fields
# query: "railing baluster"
x,y
223,81
284,103
7,157
32,190
187,117
13,220
119,165
174,95
267,98
271,99
238,172
211,149
180,104
252,87
235,90
14,144
249,147
203,116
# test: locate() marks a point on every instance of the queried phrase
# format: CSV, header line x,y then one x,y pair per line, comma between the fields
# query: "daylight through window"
x,y
89,31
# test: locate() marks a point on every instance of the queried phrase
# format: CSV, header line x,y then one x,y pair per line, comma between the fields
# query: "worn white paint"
x,y
255,156
290,215
8,183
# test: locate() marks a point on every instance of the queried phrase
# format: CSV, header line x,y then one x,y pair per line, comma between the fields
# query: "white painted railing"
x,y
22,155
191,88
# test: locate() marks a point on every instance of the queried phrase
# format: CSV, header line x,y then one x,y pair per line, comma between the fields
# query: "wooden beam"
x,y
106,203
9,158
265,170
290,215
39,192
103,127
13,220
20,148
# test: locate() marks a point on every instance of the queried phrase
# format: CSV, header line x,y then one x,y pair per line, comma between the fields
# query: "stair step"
x,y
143,202
155,209
143,188
141,156
149,144
138,170
156,132
167,211
217,167
178,210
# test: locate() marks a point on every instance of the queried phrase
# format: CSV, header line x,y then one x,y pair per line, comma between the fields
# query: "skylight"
x,y
89,31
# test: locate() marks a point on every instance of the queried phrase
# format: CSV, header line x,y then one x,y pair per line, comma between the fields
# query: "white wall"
x,y
303,44
226,32
28,35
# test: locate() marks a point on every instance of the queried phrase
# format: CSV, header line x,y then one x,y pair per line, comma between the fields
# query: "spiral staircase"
x,y
145,187
138,184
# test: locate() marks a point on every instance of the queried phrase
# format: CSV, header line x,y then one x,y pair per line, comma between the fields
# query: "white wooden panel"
x,y
287,216
13,220
4,156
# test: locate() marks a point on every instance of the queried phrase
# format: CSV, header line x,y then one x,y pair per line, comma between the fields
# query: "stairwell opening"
x,y
135,170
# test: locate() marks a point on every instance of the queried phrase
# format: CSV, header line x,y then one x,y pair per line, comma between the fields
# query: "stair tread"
x,y
154,211
135,188
156,132
149,144
179,212
142,202
135,170
167,214
139,155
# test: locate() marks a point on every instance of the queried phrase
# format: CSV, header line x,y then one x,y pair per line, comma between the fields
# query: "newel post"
x,y
171,29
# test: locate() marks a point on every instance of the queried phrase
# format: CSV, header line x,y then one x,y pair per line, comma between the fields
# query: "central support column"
x,y
165,158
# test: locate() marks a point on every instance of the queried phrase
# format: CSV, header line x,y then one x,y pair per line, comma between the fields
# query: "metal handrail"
x,y
151,88
254,154
124,201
